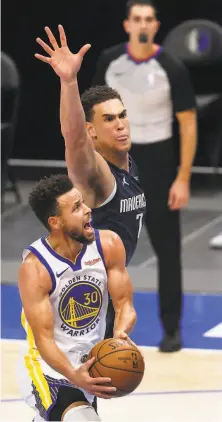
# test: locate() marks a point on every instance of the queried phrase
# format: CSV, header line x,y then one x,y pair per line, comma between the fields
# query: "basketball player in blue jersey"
x,y
64,282
97,141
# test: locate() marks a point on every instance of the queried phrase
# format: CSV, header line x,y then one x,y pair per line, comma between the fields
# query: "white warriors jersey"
x,y
79,296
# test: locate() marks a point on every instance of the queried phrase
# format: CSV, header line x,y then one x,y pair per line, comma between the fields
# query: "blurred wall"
x,y
98,22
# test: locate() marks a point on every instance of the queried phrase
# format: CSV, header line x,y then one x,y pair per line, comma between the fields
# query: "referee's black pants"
x,y
157,166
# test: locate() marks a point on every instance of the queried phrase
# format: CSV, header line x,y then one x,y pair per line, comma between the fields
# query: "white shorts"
x,y
39,383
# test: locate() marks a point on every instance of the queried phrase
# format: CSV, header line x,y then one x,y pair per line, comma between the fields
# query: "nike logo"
x,y
62,272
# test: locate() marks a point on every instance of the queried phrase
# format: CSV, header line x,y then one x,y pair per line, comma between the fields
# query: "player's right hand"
x,y
93,386
65,64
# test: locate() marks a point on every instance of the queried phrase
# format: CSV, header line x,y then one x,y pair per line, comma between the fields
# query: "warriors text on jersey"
x,y
123,211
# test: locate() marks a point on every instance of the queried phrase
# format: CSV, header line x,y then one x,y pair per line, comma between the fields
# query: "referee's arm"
x,y
185,110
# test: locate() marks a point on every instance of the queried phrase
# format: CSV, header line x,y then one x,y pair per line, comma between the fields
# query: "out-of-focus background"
x,y
99,23
33,146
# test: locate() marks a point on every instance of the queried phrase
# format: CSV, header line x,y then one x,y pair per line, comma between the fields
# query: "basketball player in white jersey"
x,y
64,282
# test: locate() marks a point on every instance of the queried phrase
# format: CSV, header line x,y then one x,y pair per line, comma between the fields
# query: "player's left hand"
x,y
179,194
65,64
123,336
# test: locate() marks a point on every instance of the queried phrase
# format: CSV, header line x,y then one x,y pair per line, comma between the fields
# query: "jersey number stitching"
x,y
140,218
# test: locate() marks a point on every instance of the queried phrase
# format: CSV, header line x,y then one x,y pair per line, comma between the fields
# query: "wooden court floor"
x,y
182,387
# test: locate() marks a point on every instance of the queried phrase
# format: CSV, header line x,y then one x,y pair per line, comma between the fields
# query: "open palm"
x,y
65,64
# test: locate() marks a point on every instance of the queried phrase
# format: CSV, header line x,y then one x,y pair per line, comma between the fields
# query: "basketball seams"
x,y
120,369
108,359
104,343
111,353
110,383
113,340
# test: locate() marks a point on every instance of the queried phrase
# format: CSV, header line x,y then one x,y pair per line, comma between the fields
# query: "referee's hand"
x,y
179,195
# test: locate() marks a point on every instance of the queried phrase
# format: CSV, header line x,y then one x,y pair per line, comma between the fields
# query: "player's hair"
x,y
43,197
132,3
97,95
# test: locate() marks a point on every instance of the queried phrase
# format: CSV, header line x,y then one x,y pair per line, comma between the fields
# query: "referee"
x,y
156,88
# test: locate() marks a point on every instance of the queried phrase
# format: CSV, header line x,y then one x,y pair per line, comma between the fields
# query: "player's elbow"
x,y
43,338
44,344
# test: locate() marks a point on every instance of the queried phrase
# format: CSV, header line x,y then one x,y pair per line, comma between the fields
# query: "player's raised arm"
x,y
34,287
85,167
119,283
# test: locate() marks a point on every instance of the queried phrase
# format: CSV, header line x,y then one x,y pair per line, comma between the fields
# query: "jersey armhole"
x,y
110,197
46,265
99,246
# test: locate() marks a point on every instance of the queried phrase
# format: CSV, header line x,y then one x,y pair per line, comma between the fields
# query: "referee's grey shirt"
x,y
152,90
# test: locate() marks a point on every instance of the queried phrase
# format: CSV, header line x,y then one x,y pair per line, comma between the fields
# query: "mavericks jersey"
x,y
123,211
79,296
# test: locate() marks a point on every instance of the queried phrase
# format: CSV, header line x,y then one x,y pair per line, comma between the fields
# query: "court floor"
x,y
181,387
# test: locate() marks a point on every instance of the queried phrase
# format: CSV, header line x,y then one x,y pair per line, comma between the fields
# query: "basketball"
x,y
119,360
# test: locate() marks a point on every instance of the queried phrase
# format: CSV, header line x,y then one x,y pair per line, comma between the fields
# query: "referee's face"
x,y
141,20
109,127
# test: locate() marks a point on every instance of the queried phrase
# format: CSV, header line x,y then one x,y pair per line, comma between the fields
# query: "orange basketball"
x,y
119,360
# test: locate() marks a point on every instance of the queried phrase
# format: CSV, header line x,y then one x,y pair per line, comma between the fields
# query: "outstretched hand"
x,y
65,64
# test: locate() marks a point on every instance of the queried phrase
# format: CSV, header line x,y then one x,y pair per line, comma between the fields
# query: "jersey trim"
x,y
33,366
111,196
46,265
75,267
138,61
99,246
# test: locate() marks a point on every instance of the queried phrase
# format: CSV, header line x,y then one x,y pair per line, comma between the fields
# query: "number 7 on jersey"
x,y
140,218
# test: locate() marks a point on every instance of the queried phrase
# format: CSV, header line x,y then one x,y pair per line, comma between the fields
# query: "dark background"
x,y
98,22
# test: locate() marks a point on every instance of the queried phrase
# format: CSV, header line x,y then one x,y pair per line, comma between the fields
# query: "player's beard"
x,y
79,237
